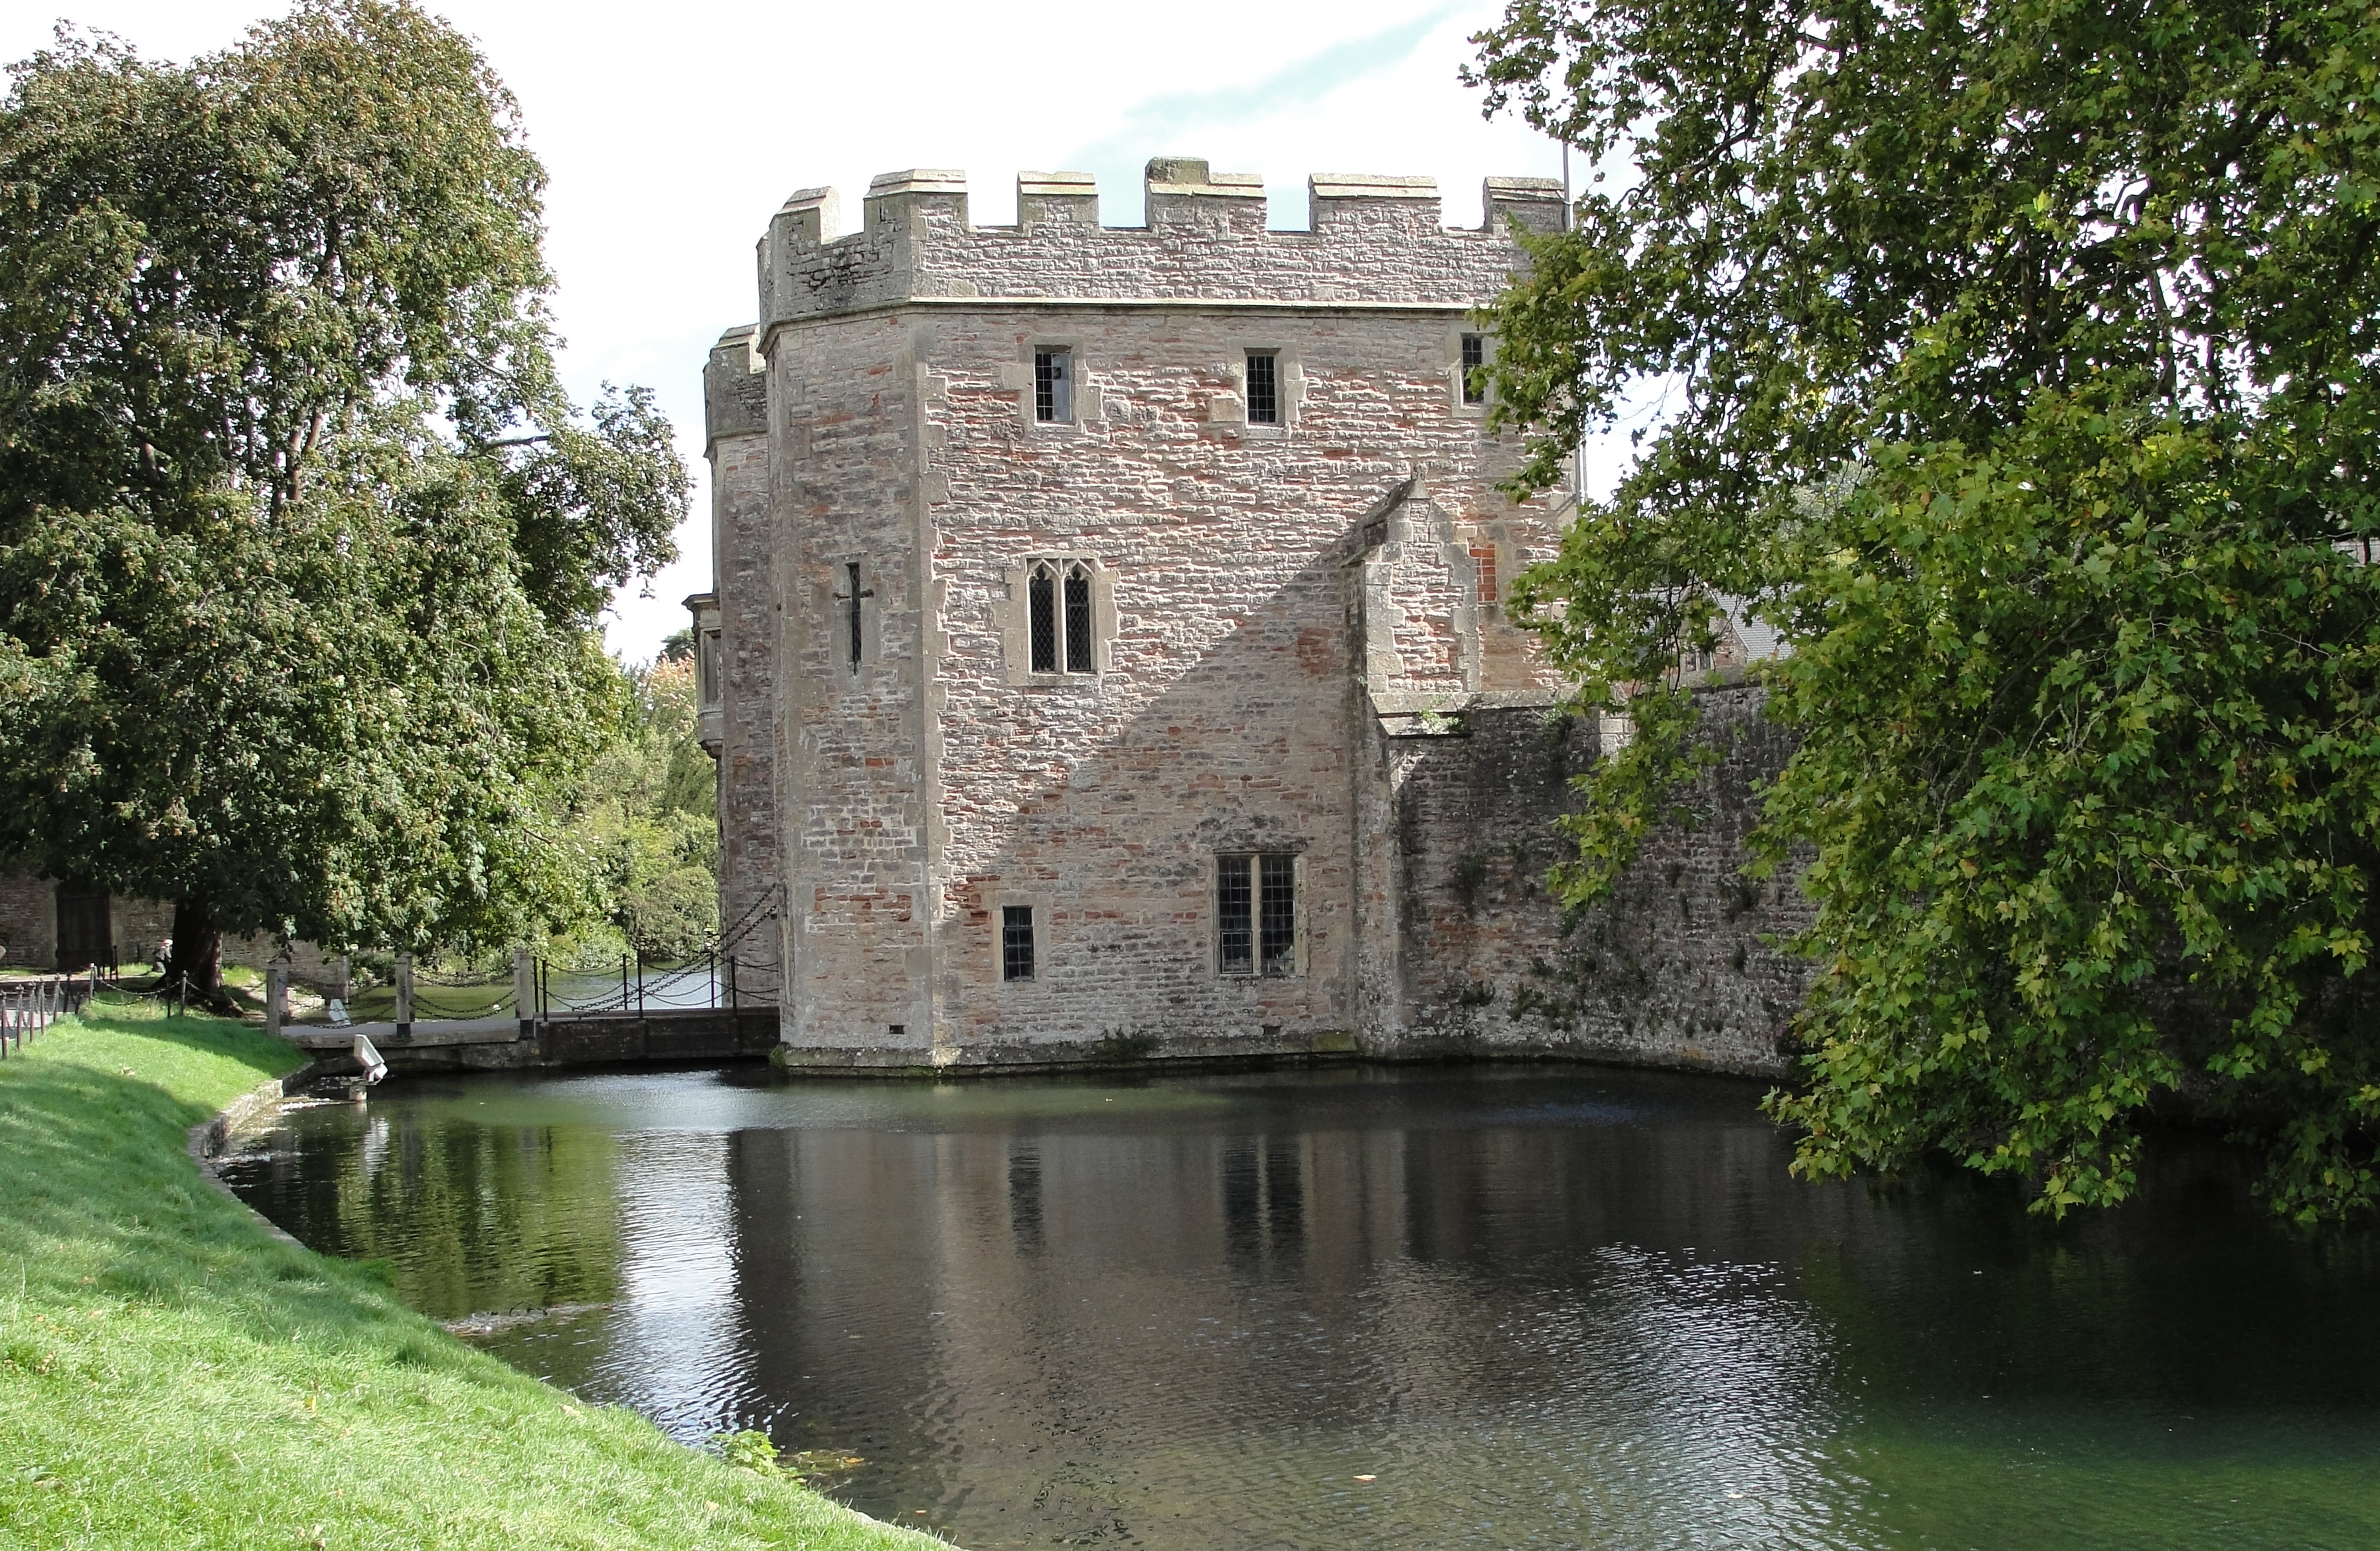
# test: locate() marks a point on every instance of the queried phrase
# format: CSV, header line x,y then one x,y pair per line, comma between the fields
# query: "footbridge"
x,y
720,1006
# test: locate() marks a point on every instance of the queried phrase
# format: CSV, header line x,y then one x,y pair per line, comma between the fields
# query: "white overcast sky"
x,y
671,132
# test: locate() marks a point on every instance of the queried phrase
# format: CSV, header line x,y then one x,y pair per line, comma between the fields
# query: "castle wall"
x,y
1686,961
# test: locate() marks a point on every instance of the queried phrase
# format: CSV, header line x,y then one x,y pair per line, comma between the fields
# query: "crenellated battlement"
x,y
1374,241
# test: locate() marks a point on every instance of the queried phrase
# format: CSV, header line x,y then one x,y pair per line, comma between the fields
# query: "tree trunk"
x,y
197,954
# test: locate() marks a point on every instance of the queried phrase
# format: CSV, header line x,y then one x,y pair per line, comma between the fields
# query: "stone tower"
x,y
1107,654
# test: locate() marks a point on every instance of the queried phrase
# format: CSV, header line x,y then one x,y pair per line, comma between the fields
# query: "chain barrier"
x,y
717,974
29,1006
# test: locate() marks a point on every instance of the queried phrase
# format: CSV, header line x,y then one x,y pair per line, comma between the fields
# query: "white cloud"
x,y
672,133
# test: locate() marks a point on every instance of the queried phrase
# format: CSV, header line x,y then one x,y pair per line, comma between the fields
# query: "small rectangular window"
x,y
1016,943
1054,385
1264,389
1255,914
1475,357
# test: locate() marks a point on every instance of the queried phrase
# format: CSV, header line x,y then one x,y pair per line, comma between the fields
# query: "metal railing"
x,y
719,977
29,1006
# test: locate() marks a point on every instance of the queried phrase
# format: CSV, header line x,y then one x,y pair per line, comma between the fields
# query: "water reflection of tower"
x,y
1263,1199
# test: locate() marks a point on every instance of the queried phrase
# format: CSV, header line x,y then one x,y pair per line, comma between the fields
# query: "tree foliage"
x,y
301,543
2016,362
649,815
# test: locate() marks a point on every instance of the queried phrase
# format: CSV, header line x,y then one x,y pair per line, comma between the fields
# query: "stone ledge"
x,y
210,1139
1327,1048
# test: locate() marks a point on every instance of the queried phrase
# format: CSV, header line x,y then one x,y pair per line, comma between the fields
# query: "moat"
x,y
1419,1307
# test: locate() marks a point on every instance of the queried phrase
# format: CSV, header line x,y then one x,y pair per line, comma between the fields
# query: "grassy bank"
x,y
172,1375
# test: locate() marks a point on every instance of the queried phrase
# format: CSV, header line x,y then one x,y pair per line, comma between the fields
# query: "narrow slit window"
x,y
1078,618
1475,357
1041,597
851,596
1234,915
1016,943
1054,385
1278,915
1263,388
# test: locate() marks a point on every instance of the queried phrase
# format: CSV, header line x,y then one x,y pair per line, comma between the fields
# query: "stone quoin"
x,y
1108,656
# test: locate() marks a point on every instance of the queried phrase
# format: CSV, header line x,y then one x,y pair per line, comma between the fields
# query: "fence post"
x,y
624,982
524,985
404,993
732,1004
277,995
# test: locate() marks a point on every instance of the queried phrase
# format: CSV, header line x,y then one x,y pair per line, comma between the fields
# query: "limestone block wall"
x,y
309,965
141,924
1465,813
1682,965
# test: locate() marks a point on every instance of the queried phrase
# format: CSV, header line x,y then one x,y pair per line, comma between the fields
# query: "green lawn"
x,y
172,1375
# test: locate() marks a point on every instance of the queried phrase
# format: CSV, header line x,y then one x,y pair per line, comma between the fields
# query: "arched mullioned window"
x,y
1058,599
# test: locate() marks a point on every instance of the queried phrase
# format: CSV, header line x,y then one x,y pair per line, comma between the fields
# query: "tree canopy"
x,y
301,542
2015,361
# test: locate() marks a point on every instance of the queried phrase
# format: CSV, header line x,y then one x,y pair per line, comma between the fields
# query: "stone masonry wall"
x,y
743,545
856,755
1227,715
1684,964
28,921
1374,240
137,927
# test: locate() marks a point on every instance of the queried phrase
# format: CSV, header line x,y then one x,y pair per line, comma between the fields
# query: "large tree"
x,y
2015,359
301,543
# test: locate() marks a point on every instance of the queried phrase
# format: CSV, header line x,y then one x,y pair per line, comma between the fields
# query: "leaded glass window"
x,y
1263,388
1016,943
1060,624
1054,385
1255,914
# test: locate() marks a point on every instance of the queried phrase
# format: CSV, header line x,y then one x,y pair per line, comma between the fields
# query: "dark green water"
x,y
1539,1307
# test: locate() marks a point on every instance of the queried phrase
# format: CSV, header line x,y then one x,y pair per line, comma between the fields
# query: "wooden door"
x,y
83,935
